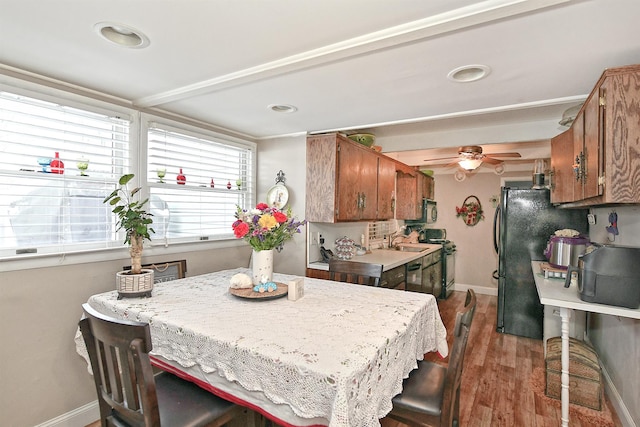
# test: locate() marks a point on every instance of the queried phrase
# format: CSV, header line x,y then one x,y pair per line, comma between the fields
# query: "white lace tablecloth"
x,y
339,353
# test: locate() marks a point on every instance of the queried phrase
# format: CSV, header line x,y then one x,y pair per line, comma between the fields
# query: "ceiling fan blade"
x,y
491,161
503,155
441,159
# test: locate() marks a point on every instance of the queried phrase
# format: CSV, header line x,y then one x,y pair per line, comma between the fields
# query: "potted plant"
x,y
136,221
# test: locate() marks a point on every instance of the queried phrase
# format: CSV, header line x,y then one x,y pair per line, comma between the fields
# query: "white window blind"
x,y
218,176
42,211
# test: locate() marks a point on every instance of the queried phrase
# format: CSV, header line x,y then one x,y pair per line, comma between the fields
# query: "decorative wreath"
x,y
471,211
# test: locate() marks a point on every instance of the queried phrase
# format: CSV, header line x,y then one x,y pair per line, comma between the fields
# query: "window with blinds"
x,y
195,181
57,163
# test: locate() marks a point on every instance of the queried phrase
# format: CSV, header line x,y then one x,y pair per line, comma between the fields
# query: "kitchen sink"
x,y
408,249
411,247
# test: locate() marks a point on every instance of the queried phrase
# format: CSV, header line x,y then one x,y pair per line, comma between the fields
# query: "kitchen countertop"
x,y
389,258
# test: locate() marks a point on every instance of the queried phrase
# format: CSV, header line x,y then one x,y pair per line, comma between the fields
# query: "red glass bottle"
x,y
181,179
229,185
212,184
57,166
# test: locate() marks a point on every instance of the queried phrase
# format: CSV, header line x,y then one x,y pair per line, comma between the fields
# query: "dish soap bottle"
x,y
57,166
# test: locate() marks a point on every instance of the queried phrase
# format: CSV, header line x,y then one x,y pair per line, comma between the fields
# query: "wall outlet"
x,y
591,218
315,238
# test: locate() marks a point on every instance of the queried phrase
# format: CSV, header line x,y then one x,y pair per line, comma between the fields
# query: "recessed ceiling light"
x,y
122,35
469,73
283,108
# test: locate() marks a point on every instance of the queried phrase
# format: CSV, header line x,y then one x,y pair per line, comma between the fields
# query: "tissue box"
x,y
296,289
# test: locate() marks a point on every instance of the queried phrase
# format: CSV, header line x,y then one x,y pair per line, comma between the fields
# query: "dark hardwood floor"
x,y
496,389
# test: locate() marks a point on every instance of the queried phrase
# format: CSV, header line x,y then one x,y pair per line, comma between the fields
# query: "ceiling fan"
x,y
470,157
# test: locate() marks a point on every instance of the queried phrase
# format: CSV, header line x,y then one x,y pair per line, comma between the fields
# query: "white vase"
x,y
262,264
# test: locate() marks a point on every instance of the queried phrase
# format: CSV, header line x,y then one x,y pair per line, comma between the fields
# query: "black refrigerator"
x,y
523,223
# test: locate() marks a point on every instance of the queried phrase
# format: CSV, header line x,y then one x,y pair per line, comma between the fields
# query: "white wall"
x,y
290,156
617,339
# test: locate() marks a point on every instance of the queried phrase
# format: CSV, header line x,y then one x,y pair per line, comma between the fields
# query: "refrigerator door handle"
x,y
495,228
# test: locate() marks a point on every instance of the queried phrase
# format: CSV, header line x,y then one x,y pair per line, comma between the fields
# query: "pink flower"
x,y
262,206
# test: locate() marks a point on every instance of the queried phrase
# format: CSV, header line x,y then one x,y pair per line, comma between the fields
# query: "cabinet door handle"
x,y
578,167
552,182
364,201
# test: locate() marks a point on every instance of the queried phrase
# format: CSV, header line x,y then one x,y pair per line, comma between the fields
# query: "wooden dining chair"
x,y
129,395
355,272
431,394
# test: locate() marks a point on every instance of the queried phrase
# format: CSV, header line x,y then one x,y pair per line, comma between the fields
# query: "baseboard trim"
x,y
616,400
79,417
484,290
614,397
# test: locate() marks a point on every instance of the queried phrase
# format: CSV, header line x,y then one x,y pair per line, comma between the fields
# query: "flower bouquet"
x,y
265,228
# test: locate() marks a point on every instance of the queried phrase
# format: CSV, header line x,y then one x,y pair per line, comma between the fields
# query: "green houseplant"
x,y
136,221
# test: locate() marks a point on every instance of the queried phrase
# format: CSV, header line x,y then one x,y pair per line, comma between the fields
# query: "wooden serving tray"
x,y
248,293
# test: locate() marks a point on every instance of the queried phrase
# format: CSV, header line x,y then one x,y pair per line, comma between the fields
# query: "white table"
x,y
335,357
552,292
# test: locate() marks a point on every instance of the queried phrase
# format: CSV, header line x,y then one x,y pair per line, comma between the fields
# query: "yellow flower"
x,y
267,221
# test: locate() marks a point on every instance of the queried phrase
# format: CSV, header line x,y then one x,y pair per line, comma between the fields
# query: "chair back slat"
x,y
119,355
355,272
453,381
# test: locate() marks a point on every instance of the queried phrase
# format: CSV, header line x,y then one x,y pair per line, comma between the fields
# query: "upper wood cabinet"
x,y
386,187
347,181
562,176
357,181
407,197
597,161
412,188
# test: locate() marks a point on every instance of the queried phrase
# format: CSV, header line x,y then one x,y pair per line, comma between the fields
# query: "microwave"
x,y
429,213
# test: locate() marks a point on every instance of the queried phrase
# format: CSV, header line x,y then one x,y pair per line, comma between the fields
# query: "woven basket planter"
x,y
134,285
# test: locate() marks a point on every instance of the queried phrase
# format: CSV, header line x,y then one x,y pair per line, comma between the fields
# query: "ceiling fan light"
x,y
469,164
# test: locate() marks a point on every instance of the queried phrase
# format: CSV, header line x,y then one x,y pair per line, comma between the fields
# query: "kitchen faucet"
x,y
393,236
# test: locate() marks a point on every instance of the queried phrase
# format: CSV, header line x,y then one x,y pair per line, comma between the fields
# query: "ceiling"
x,y
349,65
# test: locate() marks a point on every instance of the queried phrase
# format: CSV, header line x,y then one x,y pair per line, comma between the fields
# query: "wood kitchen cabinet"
x,y
563,182
407,195
386,188
597,161
347,181
411,189
357,182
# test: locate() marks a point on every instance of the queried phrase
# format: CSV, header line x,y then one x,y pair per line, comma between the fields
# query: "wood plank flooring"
x,y
495,384
495,387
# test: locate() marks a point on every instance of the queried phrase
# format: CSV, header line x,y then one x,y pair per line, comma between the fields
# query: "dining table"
x,y
335,356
